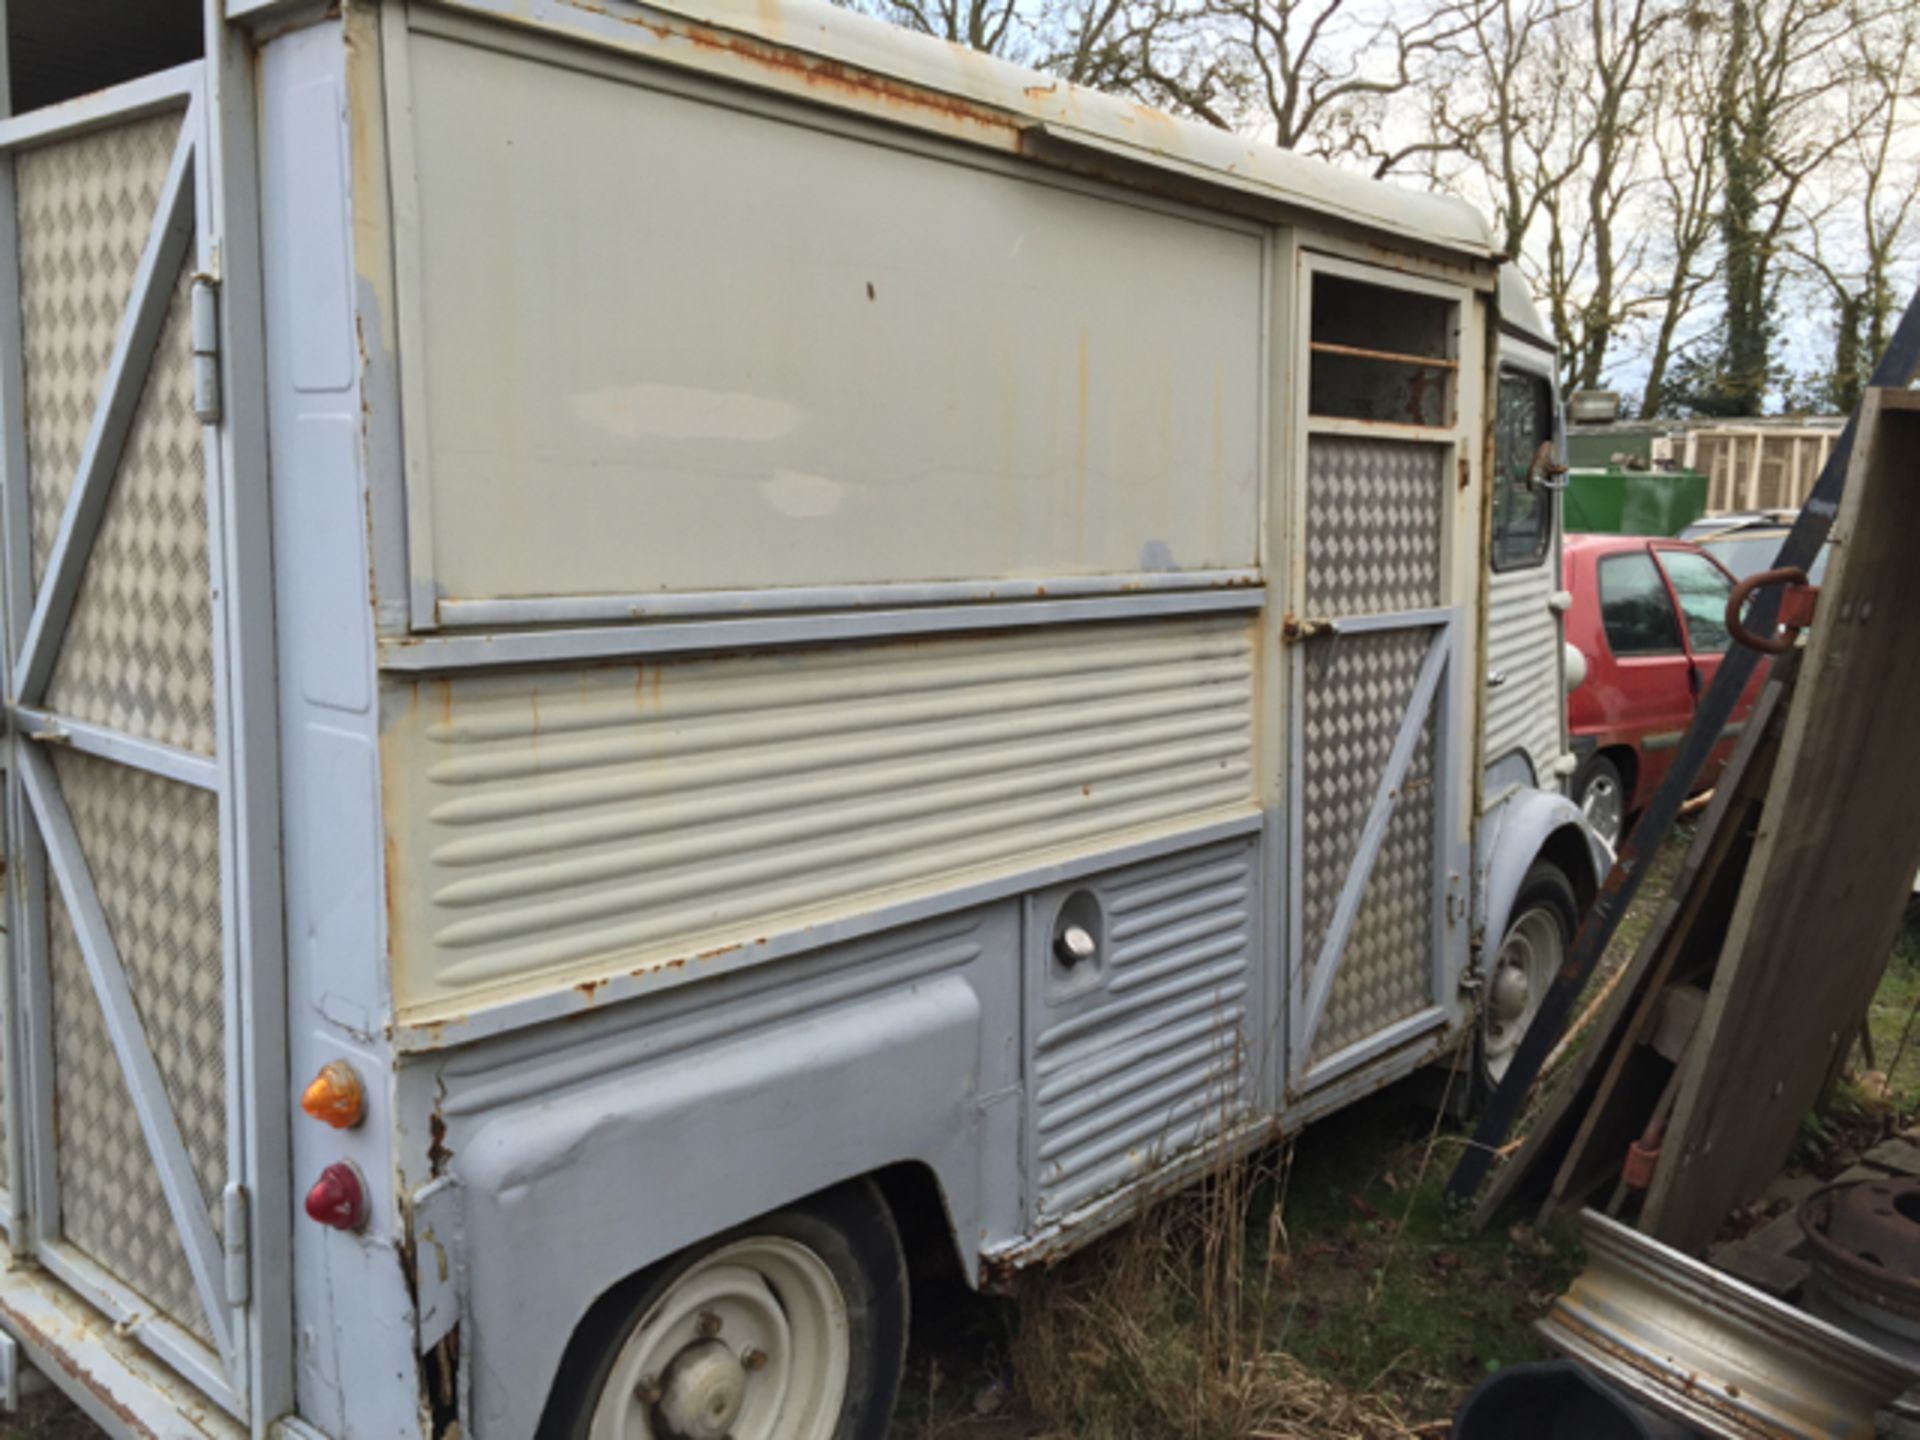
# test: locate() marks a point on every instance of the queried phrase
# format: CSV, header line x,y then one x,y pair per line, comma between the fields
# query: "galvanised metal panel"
x,y
1144,1051
1375,525
152,846
1522,712
1356,692
548,827
633,380
84,207
112,1207
138,651
116,700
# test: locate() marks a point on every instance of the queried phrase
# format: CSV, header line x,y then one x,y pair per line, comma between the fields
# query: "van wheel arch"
x,y
846,1232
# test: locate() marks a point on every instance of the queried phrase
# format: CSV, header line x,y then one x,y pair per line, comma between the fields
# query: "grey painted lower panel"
x,y
645,1127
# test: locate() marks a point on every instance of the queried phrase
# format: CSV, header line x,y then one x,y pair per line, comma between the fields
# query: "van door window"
x,y
1635,607
1522,512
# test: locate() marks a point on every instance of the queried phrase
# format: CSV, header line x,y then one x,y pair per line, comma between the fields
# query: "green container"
x,y
1596,449
1633,502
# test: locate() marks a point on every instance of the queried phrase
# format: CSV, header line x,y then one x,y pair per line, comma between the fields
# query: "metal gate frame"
x,y
1438,691
208,202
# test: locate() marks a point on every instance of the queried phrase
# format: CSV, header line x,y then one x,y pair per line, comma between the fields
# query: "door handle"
x,y
1495,679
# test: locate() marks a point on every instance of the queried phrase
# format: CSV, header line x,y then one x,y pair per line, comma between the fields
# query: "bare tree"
x,y
1867,209
1324,75
1685,189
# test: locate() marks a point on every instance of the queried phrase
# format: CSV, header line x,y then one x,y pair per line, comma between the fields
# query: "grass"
x,y
1322,1289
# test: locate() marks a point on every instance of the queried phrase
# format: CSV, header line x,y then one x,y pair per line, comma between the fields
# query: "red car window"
x,y
1635,608
1703,588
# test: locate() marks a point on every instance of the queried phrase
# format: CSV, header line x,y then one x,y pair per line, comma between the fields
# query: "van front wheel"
x,y
792,1327
1539,937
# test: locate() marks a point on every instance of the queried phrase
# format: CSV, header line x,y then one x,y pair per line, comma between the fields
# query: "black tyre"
x,y
791,1327
1538,937
1600,791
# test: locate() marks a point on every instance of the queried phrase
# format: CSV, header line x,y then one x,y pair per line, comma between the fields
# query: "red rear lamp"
x,y
339,1197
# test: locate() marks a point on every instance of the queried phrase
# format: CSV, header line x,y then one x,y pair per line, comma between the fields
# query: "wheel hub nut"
x,y
704,1392
1511,991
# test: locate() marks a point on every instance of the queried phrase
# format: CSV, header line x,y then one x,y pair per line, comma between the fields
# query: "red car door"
x,y
1652,676
1700,588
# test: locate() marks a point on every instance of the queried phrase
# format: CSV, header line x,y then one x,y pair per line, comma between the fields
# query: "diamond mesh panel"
x,y
1374,514
152,847
111,1205
85,207
1357,689
138,652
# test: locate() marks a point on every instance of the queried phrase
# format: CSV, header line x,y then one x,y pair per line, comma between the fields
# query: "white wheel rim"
x,y
751,1342
1600,802
1529,957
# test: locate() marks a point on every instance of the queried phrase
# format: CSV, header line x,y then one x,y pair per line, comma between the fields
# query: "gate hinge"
x,y
1295,628
1456,902
206,349
235,1224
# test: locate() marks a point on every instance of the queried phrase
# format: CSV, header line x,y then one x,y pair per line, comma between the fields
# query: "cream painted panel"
x,y
553,827
674,346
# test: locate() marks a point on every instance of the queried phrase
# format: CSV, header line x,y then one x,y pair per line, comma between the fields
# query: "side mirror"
x,y
1546,473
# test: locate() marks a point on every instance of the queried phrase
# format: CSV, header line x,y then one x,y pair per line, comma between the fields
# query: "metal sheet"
x,y
636,381
1156,1056
137,655
1523,712
1356,692
111,1204
577,824
84,206
1699,1345
1376,512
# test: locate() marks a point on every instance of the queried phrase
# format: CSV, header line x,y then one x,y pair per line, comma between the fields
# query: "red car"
x,y
1650,619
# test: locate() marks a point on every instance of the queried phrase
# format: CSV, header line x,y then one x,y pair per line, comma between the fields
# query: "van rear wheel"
x,y
792,1327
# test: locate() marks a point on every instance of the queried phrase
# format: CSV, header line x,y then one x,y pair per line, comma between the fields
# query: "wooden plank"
x,y
1897,1157
1832,865
1572,1093
1718,854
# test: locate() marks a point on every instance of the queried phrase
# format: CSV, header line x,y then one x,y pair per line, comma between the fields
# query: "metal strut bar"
x,y
1896,370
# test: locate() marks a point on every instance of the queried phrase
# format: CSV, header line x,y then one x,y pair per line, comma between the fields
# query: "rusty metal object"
x,y
1700,1346
1796,609
1863,1241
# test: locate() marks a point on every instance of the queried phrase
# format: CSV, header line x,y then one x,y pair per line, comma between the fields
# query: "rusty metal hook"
x,y
1793,619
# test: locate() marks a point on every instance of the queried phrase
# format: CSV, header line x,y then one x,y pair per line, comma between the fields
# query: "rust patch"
x,y
438,1154
828,78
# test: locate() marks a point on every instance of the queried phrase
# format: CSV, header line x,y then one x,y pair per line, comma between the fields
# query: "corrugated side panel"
x,y
1157,1059
1523,643
549,826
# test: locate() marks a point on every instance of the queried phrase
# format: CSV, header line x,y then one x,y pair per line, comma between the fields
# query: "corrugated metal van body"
x,y
570,825
1523,642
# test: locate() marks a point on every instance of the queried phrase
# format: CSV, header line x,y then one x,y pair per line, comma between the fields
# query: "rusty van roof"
x,y
835,56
